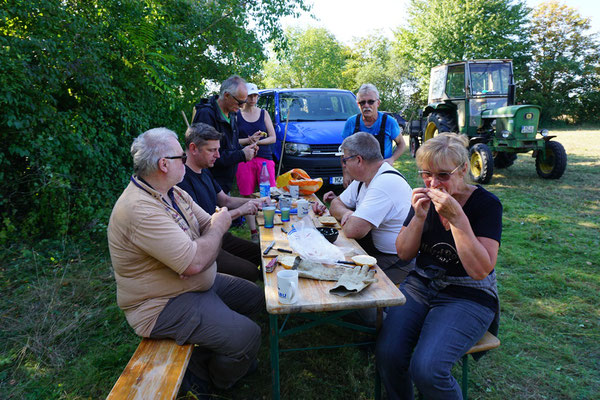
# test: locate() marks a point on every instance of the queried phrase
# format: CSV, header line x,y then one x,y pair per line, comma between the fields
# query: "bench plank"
x,y
487,342
154,371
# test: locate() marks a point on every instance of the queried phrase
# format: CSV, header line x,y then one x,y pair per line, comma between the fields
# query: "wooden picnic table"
x,y
314,296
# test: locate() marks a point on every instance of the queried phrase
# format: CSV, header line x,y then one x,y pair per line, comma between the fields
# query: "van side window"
x,y
267,102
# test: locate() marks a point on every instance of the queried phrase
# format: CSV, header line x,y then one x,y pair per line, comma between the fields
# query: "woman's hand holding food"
x,y
446,206
420,202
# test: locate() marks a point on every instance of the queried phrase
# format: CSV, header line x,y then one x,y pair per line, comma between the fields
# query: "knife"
x,y
269,247
296,262
346,262
284,250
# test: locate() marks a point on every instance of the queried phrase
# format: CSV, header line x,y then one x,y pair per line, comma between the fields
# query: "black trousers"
x,y
239,257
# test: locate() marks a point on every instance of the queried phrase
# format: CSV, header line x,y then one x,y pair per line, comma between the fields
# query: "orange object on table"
x,y
300,178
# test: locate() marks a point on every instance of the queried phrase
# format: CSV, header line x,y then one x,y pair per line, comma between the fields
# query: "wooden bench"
x,y
487,342
155,371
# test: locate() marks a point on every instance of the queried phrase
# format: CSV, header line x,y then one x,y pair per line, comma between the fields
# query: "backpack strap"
x,y
381,135
384,172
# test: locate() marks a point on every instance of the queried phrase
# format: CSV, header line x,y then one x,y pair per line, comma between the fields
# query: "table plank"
x,y
314,295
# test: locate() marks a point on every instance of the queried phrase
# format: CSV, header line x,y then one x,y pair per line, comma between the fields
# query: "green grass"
x,y
63,337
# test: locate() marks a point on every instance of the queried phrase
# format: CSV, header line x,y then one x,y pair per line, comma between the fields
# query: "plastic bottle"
x,y
264,183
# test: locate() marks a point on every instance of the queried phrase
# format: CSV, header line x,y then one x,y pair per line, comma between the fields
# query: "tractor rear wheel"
x,y
552,162
439,122
504,160
481,163
414,144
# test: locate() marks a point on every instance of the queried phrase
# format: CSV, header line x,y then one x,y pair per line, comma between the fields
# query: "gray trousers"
x,y
227,341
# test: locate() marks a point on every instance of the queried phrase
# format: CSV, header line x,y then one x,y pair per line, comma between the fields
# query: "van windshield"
x,y
317,106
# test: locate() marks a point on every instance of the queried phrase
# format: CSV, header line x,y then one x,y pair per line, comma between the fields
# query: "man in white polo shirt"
x,y
374,206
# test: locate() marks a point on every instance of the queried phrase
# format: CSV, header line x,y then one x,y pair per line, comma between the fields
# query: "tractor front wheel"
x,y
481,163
414,144
551,163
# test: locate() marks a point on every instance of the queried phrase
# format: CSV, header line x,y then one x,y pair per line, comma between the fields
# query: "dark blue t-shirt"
x,y
484,211
202,187
249,128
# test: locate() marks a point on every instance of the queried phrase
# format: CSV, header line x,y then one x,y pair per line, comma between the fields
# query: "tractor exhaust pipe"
x,y
511,94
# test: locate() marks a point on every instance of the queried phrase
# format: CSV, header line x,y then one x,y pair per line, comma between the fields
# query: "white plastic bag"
x,y
311,245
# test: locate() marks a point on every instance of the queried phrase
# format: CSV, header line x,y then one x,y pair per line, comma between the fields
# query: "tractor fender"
x,y
441,106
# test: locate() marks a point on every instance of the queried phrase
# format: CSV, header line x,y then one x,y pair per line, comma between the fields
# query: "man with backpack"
x,y
374,206
219,111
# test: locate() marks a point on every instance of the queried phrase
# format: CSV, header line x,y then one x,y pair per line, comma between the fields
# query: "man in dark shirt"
x,y
220,113
238,257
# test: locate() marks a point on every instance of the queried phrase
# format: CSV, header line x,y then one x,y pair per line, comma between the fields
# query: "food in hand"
x,y
364,259
263,134
327,220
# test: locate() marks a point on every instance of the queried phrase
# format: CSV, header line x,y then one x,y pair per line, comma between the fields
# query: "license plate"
x,y
527,129
336,180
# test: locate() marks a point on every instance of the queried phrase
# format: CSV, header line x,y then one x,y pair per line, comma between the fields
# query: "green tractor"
x,y
476,98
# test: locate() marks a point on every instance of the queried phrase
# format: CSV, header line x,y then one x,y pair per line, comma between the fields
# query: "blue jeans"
x,y
421,341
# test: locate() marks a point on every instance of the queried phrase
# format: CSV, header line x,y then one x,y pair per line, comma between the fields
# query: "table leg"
x,y
274,339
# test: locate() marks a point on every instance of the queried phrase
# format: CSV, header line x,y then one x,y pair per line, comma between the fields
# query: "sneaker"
x,y
194,387
255,237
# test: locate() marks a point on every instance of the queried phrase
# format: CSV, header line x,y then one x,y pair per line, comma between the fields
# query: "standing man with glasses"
x,y
220,113
163,248
385,129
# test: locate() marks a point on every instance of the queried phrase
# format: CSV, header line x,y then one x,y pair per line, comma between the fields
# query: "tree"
x,y
440,31
81,79
564,77
370,61
314,59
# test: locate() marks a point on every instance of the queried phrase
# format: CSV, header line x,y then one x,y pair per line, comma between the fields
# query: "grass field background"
x,y
62,335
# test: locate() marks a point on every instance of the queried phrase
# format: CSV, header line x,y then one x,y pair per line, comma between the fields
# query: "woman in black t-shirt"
x,y
453,229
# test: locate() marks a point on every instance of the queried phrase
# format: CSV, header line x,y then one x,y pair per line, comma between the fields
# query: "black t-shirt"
x,y
484,212
202,187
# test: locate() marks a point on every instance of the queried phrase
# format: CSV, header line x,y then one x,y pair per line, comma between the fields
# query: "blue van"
x,y
315,120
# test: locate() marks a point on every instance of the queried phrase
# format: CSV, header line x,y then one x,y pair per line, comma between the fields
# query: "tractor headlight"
x,y
544,132
295,149
505,134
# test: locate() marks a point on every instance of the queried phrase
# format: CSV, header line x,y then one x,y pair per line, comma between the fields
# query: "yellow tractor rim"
x,y
430,131
547,164
476,164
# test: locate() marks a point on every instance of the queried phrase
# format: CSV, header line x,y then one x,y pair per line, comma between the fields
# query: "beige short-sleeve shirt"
x,y
150,244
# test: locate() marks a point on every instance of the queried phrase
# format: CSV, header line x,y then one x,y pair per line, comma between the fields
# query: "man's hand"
x,y
329,196
249,208
250,151
345,217
221,219
318,208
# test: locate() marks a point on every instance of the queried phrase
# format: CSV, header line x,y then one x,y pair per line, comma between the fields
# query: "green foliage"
x,y
314,59
440,31
81,79
564,69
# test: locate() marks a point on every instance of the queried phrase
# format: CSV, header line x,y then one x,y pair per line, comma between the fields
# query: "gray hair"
x,y
368,87
363,144
199,133
148,148
231,85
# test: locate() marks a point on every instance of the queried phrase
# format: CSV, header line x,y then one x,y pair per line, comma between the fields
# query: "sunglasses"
x,y
441,176
369,102
239,102
183,158
344,159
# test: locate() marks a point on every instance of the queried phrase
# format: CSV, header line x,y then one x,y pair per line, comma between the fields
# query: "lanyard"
x,y
169,193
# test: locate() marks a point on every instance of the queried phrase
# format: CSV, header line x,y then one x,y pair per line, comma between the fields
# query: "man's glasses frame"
x,y
344,159
183,158
441,176
369,102
239,102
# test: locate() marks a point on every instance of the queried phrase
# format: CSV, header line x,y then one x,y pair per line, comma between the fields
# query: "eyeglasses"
x,y
344,159
183,158
369,102
239,102
441,176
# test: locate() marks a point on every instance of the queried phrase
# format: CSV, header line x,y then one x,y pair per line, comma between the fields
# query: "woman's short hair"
x,y
445,148
199,133
150,147
363,144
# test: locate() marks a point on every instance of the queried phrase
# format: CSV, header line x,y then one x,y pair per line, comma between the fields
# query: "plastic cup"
x,y
285,214
269,215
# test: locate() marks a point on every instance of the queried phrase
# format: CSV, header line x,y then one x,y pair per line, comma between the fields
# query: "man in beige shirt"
x,y
163,248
